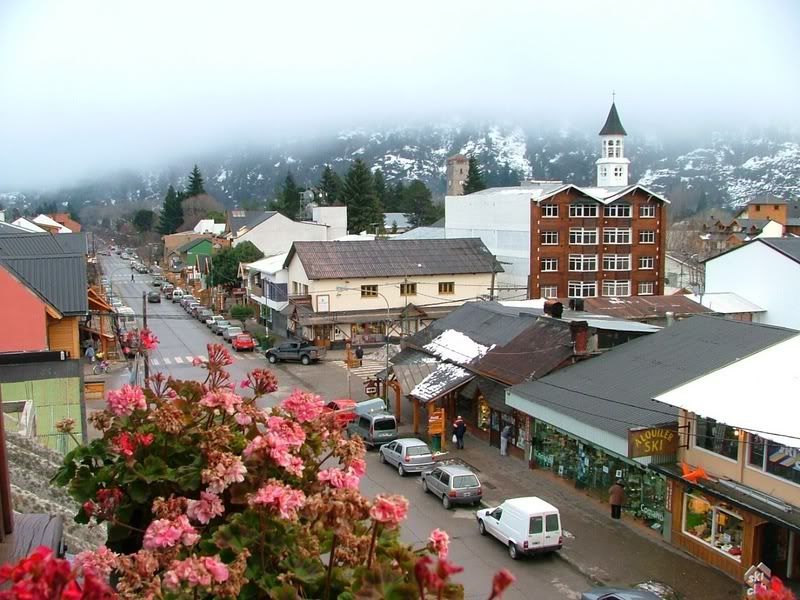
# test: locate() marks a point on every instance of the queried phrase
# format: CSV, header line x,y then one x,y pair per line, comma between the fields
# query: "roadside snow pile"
x,y
454,346
434,384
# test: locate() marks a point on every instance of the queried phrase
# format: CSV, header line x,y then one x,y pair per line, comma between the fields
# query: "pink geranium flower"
x,y
223,470
205,509
284,499
165,533
202,571
389,510
502,579
100,562
340,478
303,406
148,340
439,542
222,399
122,402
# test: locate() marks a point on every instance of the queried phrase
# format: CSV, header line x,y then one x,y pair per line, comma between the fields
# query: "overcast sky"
x,y
92,85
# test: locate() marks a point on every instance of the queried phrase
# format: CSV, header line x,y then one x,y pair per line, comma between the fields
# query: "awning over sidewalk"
x,y
741,495
444,379
410,375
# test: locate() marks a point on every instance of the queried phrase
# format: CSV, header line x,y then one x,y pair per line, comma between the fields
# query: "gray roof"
x,y
9,228
41,261
395,218
789,247
393,258
247,218
422,233
613,125
613,392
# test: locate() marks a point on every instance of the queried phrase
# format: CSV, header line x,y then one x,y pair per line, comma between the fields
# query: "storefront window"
x,y
717,437
483,413
781,461
713,524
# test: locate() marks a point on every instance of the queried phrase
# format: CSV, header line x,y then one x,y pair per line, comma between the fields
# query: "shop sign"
x,y
652,441
370,389
757,579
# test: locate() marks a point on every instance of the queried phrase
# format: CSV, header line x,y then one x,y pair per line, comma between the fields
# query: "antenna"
x,y
613,96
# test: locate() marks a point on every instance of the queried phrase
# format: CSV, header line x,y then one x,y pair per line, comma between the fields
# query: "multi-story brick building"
x,y
607,240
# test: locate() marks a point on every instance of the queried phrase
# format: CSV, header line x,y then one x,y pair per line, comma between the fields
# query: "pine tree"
x,y
396,198
195,186
330,186
289,202
379,181
171,213
419,209
364,212
474,181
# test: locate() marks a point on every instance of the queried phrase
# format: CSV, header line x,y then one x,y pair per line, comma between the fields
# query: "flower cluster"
x,y
208,507
165,533
341,478
122,402
303,406
223,399
439,543
105,504
100,562
389,510
434,577
261,382
148,340
125,443
223,469
194,572
282,437
285,500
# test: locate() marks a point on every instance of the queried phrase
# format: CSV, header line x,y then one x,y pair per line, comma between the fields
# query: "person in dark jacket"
x,y
360,355
459,429
616,498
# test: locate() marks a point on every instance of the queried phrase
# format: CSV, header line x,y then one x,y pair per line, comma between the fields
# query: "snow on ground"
x,y
455,346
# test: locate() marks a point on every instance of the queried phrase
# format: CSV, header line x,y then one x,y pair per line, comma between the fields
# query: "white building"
x,y
266,283
209,226
766,272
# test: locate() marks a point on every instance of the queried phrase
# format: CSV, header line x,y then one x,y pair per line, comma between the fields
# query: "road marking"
x,y
178,360
167,361
464,514
250,356
189,359
154,361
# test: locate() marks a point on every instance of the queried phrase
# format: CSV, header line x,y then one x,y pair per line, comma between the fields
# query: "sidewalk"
x,y
620,553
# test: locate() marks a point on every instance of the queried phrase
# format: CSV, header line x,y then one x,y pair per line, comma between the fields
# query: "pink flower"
x,y
218,357
223,470
222,399
439,542
165,533
339,478
359,466
100,562
502,579
124,444
389,510
196,571
205,509
262,381
217,568
303,406
282,436
148,340
243,419
197,361
122,402
284,499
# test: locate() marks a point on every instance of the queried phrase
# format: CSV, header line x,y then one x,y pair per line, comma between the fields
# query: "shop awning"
x,y
768,408
740,495
410,375
444,379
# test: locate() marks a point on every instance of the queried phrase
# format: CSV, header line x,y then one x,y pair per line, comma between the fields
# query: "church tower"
x,y
612,166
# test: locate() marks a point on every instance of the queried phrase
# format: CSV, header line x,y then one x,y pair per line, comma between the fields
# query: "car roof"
x,y
456,469
411,442
530,504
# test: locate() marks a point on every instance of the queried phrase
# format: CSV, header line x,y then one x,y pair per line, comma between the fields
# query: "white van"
x,y
126,317
525,525
177,294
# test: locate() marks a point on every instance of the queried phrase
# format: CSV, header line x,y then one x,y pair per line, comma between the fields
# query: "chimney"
x,y
670,318
580,336
553,308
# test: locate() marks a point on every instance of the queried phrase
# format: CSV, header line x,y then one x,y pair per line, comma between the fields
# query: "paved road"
x,y
181,337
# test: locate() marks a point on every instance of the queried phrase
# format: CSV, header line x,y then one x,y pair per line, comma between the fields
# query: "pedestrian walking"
x,y
459,429
359,355
131,276
505,435
90,353
616,498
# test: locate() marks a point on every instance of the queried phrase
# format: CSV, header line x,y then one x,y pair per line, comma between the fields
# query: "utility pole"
x,y
144,326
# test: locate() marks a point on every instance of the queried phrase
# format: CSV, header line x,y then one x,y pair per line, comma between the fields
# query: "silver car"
x,y
219,326
231,332
213,319
409,455
454,484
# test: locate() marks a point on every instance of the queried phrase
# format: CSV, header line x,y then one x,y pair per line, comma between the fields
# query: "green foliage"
x,y
171,213
364,211
330,187
241,312
379,181
73,212
289,202
474,181
225,264
219,217
143,220
196,185
418,206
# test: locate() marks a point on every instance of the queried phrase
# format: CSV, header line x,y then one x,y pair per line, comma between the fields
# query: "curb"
x,y
576,566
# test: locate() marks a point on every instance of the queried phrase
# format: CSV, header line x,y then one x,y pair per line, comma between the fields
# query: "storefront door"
x,y
780,551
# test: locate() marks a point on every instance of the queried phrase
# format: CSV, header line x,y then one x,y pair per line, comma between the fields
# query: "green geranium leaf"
x,y
64,475
152,469
139,491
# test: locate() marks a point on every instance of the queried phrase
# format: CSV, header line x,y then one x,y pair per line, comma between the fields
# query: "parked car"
x,y
344,409
187,299
189,307
373,424
524,525
213,319
607,593
298,351
157,282
409,455
167,289
454,484
242,342
194,308
230,332
153,297
203,314
177,294
219,326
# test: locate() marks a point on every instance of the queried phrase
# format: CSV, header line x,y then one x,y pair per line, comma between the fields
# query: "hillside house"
x,y
273,233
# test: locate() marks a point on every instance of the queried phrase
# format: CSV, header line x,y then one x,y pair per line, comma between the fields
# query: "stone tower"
x,y
457,168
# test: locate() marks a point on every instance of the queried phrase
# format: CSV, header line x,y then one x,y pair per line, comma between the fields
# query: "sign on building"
x,y
652,441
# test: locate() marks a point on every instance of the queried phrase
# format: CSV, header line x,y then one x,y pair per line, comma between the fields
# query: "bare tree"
x,y
197,208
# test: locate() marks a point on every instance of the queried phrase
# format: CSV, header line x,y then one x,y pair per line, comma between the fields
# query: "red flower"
x,y
148,340
502,579
145,439
434,579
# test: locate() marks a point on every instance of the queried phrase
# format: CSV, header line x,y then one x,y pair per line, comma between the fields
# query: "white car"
x,y
524,525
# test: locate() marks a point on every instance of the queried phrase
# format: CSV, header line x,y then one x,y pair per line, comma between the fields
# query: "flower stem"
x,y
334,542
372,545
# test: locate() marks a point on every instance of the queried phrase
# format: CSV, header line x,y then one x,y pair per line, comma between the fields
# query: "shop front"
x,y
482,403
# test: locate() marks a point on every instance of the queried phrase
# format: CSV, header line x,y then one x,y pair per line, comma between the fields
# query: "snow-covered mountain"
x,y
728,169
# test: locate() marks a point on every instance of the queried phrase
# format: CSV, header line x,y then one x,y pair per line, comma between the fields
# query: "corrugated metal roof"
x,y
247,218
422,233
409,375
613,392
643,307
393,258
444,379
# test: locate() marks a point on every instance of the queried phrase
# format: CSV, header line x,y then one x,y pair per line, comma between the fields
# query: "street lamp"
x,y
339,290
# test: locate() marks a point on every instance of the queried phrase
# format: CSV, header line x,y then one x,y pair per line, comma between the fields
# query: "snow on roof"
x,y
720,394
604,195
356,237
725,303
438,382
28,226
455,346
535,303
270,264
209,226
48,222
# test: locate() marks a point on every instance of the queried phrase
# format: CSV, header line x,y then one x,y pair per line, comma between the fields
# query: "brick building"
x,y
607,240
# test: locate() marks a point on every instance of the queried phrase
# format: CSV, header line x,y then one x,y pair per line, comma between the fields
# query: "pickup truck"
x,y
299,351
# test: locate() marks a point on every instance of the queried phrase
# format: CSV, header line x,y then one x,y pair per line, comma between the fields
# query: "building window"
x,y
582,289
549,210
408,289
616,287
617,170
603,171
616,262
583,210
646,263
716,437
583,262
447,287
548,291
646,288
369,291
647,237
758,208
579,236
714,524
617,210
549,238
647,211
771,457
549,265
617,235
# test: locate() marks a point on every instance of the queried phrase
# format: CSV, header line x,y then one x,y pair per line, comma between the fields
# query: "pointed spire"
x,y
613,125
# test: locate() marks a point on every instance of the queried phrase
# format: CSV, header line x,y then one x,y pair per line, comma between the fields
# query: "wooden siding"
x,y
63,335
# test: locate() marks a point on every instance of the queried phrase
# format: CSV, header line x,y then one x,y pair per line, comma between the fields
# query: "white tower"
x,y
612,166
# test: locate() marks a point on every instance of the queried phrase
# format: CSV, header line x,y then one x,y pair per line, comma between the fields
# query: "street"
x,y
181,338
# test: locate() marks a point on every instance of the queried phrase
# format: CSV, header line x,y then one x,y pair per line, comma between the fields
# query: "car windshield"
x,y
384,424
465,481
222,323
243,338
417,450
234,330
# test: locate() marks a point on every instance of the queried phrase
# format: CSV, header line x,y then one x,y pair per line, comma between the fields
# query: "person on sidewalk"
x,y
505,435
360,355
131,276
459,429
90,353
616,498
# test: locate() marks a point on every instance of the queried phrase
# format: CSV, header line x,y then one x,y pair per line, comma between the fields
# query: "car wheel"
x,y
481,528
446,502
305,359
425,487
512,551
272,359
401,471
381,458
